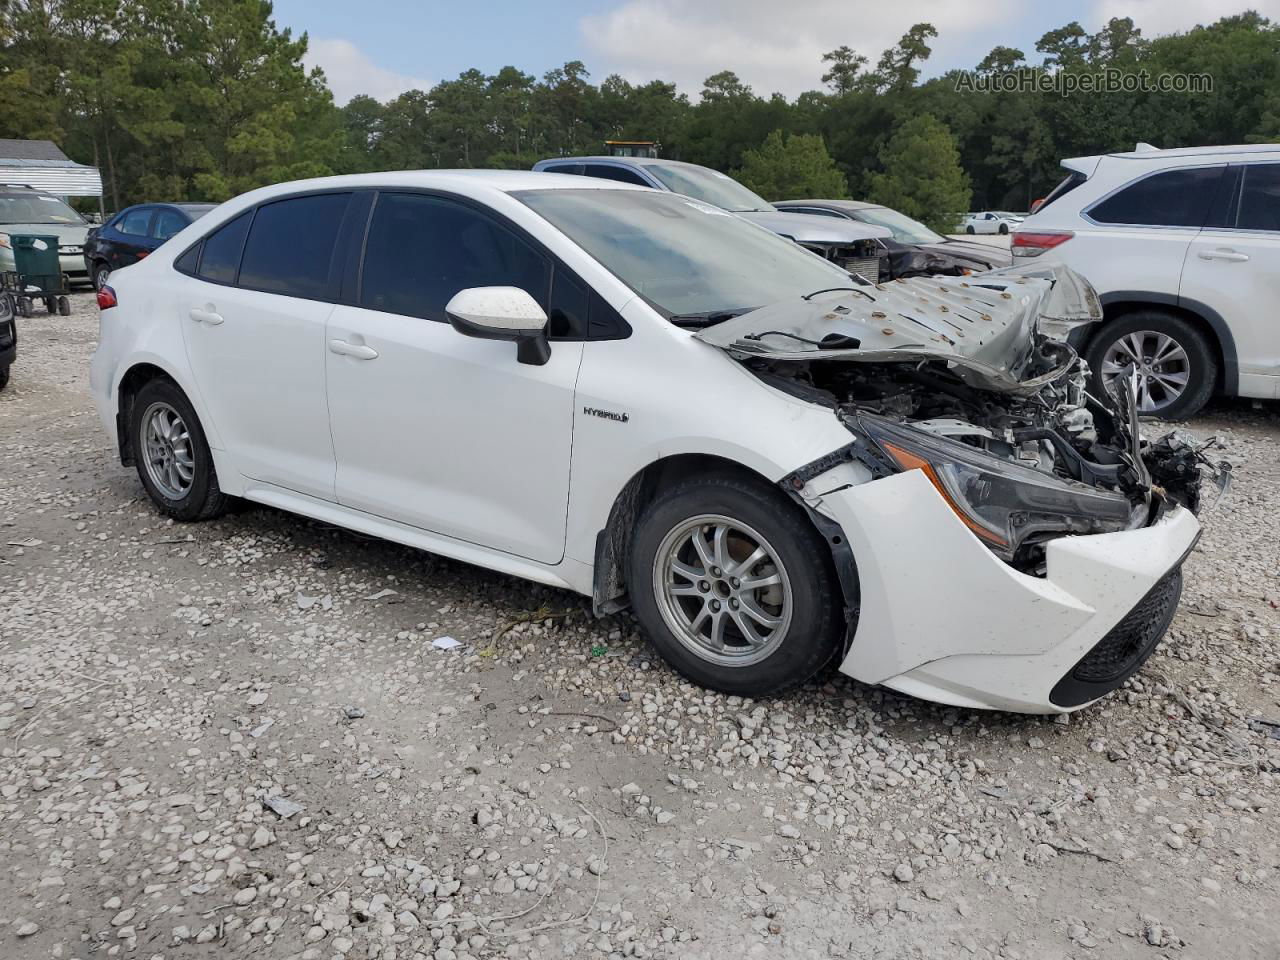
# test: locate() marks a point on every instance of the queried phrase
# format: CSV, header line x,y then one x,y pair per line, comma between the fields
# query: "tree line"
x,y
203,99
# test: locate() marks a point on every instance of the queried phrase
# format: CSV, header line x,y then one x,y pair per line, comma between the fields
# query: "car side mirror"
x,y
502,313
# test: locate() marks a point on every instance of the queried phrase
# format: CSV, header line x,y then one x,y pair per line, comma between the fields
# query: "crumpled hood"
x,y
805,228
988,326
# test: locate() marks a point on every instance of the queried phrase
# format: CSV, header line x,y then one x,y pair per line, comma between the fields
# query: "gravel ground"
x,y
237,738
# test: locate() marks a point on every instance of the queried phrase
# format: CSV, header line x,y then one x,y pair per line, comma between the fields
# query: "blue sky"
x,y
382,47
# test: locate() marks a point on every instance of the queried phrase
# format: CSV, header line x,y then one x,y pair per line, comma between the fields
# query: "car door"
x,y
434,429
254,315
1233,268
130,241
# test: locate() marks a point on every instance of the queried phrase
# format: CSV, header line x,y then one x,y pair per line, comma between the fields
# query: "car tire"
x,y
172,455
1156,329
101,273
801,593
970,231
4,377
1004,229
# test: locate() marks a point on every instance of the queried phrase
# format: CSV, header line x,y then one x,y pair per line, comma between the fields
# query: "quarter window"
x,y
421,250
602,171
222,248
1260,197
290,246
1174,198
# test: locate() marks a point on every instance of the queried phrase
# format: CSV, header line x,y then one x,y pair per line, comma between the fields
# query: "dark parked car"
x,y
911,239
8,338
134,232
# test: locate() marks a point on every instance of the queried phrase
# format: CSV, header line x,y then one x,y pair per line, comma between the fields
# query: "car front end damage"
x,y
1005,540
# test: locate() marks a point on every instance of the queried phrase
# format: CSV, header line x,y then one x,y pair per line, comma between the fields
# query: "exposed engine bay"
x,y
971,380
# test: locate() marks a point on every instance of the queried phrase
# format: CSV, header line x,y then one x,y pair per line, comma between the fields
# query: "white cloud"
x,y
350,72
1155,17
778,46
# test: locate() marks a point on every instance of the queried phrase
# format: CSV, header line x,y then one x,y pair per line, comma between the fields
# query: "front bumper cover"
x,y
942,618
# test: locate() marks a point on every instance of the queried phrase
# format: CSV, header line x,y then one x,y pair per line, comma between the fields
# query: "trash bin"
x,y
39,273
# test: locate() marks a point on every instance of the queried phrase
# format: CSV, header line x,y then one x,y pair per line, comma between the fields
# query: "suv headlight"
x,y
1001,502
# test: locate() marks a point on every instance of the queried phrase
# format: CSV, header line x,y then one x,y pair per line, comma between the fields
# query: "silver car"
x,y
855,247
27,211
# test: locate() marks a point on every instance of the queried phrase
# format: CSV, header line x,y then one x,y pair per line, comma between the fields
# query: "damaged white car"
x,y
641,398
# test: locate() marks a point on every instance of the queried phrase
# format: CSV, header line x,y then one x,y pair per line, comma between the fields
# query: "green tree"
x,y
845,71
922,174
897,68
786,167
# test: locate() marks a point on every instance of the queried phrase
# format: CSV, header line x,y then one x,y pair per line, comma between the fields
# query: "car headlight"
x,y
1001,502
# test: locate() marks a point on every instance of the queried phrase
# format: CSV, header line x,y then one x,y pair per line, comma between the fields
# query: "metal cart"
x,y
37,275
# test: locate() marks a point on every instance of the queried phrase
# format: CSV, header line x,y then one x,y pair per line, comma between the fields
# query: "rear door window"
x,y
421,250
603,171
135,223
1172,198
290,246
220,259
1260,198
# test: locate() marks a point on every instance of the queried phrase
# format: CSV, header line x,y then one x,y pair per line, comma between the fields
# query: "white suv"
x,y
1183,247
642,398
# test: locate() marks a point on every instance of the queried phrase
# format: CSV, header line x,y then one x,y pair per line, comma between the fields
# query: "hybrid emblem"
x,y
606,414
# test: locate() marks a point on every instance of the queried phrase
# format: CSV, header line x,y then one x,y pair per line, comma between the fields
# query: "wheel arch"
x,y
1119,303
140,373
613,543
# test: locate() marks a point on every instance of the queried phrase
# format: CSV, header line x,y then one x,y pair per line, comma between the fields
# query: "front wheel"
x,y
734,586
1175,365
172,455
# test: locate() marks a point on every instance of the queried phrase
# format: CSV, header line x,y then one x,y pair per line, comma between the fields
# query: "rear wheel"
x,y
172,455
1174,362
734,586
101,274
1004,229
970,230
4,377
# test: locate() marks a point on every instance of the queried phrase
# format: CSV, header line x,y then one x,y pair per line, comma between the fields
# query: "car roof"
x,y
503,181
1147,152
628,162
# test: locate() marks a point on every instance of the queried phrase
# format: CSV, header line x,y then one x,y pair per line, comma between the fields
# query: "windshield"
x,y
710,187
904,229
684,257
35,208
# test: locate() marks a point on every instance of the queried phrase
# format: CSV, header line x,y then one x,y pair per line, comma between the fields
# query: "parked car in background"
x,y
914,249
27,211
993,221
852,246
135,232
629,394
1183,247
8,338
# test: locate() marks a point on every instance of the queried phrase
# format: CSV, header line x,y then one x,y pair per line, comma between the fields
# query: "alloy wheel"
x,y
168,451
722,590
1160,363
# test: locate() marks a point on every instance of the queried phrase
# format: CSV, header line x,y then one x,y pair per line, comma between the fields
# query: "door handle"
x,y
359,351
206,316
1224,253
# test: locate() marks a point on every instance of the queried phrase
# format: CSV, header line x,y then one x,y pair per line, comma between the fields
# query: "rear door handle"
x,y
1223,253
206,316
359,351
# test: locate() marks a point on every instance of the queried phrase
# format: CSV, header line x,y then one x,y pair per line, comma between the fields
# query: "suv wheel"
x,y
172,455
1174,362
734,586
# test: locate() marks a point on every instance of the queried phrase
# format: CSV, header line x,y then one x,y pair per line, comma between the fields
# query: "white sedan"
x,y
635,396
993,221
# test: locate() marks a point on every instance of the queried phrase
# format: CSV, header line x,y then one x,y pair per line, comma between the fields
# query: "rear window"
x,y
1173,198
290,246
1072,181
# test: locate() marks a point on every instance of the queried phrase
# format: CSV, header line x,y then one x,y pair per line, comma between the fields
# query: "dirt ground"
x,y
548,788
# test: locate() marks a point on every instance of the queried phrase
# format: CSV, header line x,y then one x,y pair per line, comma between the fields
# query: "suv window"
x,y
168,222
290,246
421,250
1173,198
220,259
602,171
563,168
1073,180
135,222
1260,197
